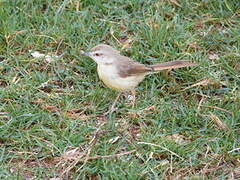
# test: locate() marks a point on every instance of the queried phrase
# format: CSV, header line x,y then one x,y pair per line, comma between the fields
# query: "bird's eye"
x,y
97,54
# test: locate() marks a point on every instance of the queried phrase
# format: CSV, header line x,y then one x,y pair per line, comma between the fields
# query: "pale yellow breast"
x,y
109,75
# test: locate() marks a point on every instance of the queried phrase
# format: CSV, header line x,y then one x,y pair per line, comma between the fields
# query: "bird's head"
x,y
102,54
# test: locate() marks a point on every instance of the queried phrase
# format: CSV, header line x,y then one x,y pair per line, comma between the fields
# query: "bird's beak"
x,y
85,53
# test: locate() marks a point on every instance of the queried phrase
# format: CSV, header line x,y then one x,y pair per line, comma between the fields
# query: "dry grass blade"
x,y
204,82
114,140
218,108
236,173
125,42
77,6
4,115
174,2
218,122
50,108
76,114
156,145
108,156
200,103
162,163
235,149
112,33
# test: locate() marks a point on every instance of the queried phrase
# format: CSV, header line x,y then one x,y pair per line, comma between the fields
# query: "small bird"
x,y
121,73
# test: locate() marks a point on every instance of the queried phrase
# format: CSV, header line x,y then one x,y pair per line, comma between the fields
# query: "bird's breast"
x,y
111,78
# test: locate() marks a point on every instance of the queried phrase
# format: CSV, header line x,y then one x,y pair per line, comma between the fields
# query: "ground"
x,y
185,124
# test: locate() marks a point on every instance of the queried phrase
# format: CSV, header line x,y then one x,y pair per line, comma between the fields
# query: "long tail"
x,y
171,65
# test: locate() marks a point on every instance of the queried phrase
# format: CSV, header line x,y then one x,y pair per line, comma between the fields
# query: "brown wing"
x,y
128,67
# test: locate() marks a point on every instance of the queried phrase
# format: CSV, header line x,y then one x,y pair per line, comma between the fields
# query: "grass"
x,y
184,125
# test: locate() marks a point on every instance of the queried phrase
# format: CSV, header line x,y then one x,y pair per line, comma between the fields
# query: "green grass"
x,y
46,108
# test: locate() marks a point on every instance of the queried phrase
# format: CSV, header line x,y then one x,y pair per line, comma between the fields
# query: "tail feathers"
x,y
171,65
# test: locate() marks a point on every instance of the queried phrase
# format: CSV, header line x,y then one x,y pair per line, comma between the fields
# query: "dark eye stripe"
x,y
98,54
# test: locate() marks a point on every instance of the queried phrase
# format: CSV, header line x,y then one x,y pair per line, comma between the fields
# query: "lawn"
x,y
185,124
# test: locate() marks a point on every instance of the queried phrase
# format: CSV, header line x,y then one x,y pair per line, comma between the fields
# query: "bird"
x,y
123,74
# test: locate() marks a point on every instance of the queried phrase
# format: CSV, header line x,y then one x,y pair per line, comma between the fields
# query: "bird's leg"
x,y
115,101
112,109
134,97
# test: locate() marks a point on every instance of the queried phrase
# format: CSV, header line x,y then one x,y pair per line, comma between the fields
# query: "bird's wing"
x,y
128,67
